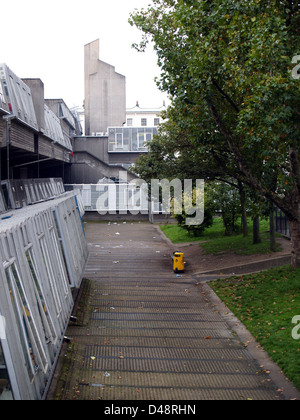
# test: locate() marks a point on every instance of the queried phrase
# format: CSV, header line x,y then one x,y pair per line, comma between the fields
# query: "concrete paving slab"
x,y
145,334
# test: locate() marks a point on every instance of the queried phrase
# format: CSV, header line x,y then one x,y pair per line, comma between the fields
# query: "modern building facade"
x,y
35,135
43,249
114,136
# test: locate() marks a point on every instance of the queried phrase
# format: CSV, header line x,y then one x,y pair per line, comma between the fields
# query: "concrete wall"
x,y
98,147
105,93
92,161
86,169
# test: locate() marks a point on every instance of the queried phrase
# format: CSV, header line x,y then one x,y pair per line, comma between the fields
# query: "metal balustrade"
x,y
112,198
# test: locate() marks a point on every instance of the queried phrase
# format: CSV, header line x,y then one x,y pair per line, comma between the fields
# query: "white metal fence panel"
x,y
42,255
111,198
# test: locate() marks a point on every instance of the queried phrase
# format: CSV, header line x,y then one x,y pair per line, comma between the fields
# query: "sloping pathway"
x,y
144,333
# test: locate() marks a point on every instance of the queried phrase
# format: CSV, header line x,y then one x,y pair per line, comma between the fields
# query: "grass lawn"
x,y
216,242
266,303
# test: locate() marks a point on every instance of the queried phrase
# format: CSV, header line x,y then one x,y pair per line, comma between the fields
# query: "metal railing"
x,y
282,223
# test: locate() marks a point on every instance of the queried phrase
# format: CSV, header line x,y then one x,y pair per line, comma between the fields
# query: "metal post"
x,y
8,119
7,146
0,165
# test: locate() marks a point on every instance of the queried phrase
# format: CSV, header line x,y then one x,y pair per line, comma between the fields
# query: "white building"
x,y
144,117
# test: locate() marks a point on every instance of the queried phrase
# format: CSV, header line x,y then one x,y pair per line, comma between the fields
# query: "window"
x,y
60,111
129,122
2,97
149,135
119,138
2,202
156,122
15,95
35,357
51,276
61,241
132,139
141,139
60,265
48,326
144,122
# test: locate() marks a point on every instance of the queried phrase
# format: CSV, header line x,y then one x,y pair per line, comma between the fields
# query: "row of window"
x,y
37,299
144,122
16,93
130,139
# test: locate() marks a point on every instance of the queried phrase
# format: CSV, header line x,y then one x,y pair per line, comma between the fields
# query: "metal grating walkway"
x,y
146,334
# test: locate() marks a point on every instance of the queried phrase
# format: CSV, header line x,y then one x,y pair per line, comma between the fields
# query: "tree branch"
x,y
294,160
247,175
234,106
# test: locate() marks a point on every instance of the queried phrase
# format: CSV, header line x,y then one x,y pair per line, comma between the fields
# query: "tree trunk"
x,y
243,208
295,237
272,229
256,235
244,216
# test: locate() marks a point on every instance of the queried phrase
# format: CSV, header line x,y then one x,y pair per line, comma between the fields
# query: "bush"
x,y
209,212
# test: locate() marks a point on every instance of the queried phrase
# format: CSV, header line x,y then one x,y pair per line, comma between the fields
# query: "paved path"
x,y
149,334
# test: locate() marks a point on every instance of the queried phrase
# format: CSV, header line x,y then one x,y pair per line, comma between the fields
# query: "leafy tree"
x,y
227,66
227,200
210,211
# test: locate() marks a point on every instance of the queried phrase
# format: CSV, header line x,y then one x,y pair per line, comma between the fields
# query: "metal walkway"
x,y
148,334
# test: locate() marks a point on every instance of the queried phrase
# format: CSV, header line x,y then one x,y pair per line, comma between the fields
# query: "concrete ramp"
x,y
145,333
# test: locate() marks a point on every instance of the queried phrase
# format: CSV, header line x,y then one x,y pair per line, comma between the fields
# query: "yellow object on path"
x,y
178,262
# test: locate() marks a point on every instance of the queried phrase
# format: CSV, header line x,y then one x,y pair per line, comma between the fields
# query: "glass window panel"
x,y
119,141
51,277
134,141
48,326
60,264
37,352
24,339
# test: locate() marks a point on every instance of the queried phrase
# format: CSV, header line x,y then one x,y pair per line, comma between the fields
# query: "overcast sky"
x,y
46,38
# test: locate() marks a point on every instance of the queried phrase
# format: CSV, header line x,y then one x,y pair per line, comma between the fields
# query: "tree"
x,y
210,211
227,66
227,200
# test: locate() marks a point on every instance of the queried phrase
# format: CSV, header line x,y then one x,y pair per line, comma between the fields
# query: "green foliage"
x,y
227,201
227,66
208,214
